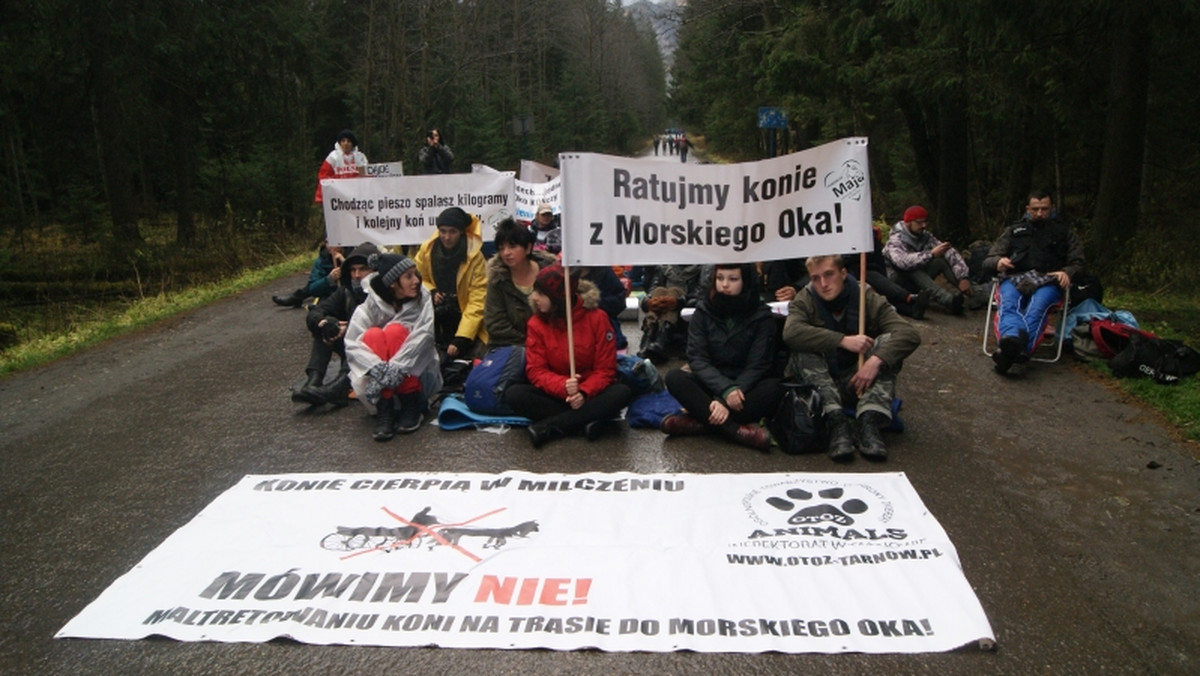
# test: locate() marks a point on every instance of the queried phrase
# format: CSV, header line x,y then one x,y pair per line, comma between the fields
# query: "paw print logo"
x,y
826,512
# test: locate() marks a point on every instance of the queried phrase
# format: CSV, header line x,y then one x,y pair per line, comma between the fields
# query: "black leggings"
x,y
531,402
761,400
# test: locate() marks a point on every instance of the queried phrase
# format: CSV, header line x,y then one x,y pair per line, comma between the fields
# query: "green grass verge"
x,y
46,348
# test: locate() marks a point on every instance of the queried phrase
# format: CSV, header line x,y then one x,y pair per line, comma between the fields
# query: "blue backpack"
x,y
485,386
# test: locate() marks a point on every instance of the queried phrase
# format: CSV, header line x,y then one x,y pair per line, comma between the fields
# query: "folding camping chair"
x,y
1053,333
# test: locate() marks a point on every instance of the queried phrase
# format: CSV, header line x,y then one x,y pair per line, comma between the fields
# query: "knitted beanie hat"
x,y
550,282
915,213
390,266
455,218
346,133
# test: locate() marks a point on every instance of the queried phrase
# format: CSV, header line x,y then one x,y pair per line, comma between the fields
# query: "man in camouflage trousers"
x,y
822,334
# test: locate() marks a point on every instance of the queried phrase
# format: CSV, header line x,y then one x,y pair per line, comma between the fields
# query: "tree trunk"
x,y
111,140
954,161
923,147
1117,199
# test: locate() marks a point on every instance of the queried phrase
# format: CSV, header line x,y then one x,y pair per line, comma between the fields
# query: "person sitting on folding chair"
x,y
1035,258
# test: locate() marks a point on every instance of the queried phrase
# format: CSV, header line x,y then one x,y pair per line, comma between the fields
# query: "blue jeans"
x,y
1025,313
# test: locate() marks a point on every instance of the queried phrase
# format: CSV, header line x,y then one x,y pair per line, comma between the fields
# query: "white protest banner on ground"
x,y
821,563
530,195
628,211
535,172
384,169
403,210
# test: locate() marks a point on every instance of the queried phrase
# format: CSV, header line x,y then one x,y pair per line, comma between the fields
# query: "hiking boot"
x,y
293,299
540,433
870,437
304,394
336,393
411,413
921,303
385,419
752,436
681,425
841,439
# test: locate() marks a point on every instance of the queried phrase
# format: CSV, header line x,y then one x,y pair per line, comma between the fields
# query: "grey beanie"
x,y
390,266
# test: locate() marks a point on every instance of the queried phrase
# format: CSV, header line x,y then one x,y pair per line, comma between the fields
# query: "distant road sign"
x,y
772,118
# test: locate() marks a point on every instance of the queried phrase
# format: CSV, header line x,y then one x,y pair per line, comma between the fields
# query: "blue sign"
x,y
772,118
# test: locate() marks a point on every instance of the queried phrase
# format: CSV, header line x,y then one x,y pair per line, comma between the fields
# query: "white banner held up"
x,y
715,563
403,210
620,210
530,195
535,172
384,169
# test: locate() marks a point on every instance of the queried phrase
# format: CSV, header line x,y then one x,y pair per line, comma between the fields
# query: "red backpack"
x,y
1113,337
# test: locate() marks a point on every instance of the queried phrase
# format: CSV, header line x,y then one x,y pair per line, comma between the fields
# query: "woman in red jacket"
x,y
559,402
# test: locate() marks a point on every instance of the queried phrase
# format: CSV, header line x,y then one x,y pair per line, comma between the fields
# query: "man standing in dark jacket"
x,y
822,333
327,322
1037,258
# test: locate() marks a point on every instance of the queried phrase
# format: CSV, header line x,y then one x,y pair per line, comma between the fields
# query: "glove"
x,y
663,304
372,391
330,329
463,345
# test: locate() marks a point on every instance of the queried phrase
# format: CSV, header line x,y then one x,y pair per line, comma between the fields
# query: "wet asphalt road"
x,y
1084,557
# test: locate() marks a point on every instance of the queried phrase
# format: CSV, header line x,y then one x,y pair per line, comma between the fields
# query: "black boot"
x,y
304,395
293,299
841,439
412,412
596,429
649,338
657,350
540,433
385,422
336,392
870,438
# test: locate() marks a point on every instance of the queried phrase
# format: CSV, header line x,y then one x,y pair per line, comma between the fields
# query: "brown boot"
x,y
753,436
682,425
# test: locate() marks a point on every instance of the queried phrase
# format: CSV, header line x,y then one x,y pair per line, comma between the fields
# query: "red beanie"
x,y
550,282
915,213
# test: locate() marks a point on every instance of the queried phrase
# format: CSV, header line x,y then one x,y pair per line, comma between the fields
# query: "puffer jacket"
x,y
547,362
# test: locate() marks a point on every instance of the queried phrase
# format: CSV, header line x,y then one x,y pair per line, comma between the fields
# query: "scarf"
x,y
445,263
841,315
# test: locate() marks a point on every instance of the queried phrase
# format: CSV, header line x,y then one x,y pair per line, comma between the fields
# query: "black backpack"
x,y
798,426
1163,361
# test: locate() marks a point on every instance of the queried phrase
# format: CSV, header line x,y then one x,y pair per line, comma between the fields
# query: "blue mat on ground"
x,y
454,415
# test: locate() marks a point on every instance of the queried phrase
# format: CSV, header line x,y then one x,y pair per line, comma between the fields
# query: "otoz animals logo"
x,y
819,513
815,510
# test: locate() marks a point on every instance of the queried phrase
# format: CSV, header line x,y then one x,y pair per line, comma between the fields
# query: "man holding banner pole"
x,y
850,343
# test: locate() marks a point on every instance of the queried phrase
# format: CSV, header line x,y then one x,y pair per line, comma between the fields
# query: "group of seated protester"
x,y
395,322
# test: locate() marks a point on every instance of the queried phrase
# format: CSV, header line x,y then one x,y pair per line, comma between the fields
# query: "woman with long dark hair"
x,y
729,388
